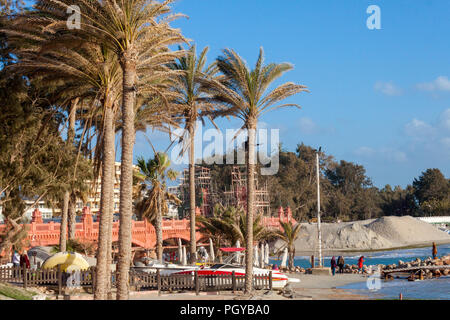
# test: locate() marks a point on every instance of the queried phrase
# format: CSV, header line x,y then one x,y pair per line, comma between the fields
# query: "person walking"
x,y
434,250
333,265
360,264
16,259
16,262
341,263
24,260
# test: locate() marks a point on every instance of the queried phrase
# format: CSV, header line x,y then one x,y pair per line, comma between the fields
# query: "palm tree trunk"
x,y
72,216
128,64
251,164
158,227
102,271
291,258
70,138
193,249
110,226
63,226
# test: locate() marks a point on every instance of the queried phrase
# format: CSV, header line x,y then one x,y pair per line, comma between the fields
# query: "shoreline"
x,y
362,250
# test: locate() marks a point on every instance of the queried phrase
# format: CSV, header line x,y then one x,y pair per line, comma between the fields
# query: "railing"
x,y
176,282
47,277
138,280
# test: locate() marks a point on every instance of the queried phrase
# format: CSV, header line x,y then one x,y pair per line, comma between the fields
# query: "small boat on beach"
x,y
165,268
279,280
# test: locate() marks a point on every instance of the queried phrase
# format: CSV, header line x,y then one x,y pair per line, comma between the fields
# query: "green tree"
x,y
154,175
431,188
246,94
228,224
194,105
135,30
288,235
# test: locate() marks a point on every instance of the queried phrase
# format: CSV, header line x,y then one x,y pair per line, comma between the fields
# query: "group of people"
x,y
20,260
341,262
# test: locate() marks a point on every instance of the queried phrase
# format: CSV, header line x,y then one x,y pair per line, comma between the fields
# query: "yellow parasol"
x,y
69,261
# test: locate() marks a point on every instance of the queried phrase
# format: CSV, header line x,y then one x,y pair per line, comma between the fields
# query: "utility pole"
x,y
318,208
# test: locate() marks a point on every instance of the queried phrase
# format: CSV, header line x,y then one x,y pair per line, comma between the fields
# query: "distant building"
x,y
47,213
93,201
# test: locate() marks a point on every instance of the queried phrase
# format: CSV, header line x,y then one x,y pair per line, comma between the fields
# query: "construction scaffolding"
x,y
237,195
207,195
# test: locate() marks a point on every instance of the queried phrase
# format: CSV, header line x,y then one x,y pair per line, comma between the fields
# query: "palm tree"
x,y
229,224
154,174
194,106
93,74
137,31
246,92
289,234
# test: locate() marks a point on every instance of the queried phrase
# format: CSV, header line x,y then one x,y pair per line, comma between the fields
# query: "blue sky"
x,y
380,98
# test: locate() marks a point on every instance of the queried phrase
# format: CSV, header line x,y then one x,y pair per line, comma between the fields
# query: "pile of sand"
x,y
382,233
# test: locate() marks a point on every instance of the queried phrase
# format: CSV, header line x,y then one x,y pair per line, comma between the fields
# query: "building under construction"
x,y
207,195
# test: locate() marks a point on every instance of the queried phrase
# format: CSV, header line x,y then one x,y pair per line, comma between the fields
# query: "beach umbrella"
x,y
261,259
69,261
237,254
184,257
255,256
180,250
266,254
211,250
284,260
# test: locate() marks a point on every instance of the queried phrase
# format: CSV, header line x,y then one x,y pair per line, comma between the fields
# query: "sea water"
x,y
438,288
435,289
375,258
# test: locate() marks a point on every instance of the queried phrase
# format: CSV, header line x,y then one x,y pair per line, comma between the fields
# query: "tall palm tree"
x,y
154,173
246,92
92,73
132,29
288,235
194,105
70,137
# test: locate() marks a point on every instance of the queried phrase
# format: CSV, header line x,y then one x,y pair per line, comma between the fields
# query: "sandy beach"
x,y
310,287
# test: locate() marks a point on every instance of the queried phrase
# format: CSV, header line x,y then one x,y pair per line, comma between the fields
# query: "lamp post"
x,y
319,234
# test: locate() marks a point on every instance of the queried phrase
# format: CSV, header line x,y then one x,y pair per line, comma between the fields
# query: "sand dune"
x,y
374,234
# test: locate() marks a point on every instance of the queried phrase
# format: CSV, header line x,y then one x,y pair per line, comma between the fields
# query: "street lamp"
x,y
319,234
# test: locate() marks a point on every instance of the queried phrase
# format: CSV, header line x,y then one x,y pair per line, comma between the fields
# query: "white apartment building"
x,y
93,200
47,213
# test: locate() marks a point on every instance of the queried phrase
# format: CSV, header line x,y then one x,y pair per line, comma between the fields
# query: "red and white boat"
x,y
279,280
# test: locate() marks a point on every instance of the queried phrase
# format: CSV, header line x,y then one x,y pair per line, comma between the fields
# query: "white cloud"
x,y
441,83
396,155
419,129
445,120
446,143
384,154
308,126
388,88
364,152
430,139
